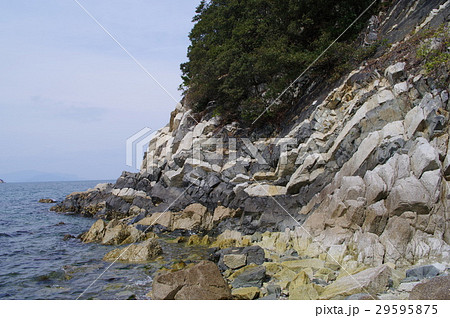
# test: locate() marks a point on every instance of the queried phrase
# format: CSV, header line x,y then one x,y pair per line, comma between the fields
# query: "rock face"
x,y
364,166
135,253
200,282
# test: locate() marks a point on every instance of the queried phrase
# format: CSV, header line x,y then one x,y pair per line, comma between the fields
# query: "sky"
x,y
70,96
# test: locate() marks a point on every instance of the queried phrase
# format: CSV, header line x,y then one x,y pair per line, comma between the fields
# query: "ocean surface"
x,y
36,263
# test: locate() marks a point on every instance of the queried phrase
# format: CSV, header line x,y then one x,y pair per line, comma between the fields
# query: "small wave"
x,y
19,233
5,235
144,282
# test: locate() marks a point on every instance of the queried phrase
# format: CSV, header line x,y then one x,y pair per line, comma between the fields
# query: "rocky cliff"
x,y
362,169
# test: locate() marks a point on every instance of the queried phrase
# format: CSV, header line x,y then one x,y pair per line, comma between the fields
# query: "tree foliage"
x,y
243,53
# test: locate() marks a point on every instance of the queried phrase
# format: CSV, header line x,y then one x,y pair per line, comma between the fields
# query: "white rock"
x,y
103,186
162,140
302,176
400,88
127,193
423,157
384,96
369,105
205,166
414,121
440,143
336,253
198,129
315,174
240,187
407,287
447,161
394,129
376,188
372,280
430,103
370,250
444,96
352,188
441,267
297,180
431,180
387,173
402,166
408,195
177,120
186,143
264,190
364,150
174,178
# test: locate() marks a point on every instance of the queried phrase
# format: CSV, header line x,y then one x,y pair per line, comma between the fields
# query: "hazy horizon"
x,y
72,96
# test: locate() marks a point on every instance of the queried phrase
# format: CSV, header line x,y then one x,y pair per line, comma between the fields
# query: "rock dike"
x,y
349,200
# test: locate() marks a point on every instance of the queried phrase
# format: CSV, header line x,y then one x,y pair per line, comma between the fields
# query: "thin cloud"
x,y
53,108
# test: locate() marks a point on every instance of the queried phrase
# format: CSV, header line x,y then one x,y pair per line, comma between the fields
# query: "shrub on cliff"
x,y
244,53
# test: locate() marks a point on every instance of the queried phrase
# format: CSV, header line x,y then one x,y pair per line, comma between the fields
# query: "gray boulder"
x,y
419,273
251,277
395,73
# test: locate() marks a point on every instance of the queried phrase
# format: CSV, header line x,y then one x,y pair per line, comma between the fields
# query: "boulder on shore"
x,y
437,288
45,200
135,253
203,281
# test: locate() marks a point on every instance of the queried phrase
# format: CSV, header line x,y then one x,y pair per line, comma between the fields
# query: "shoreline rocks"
x,y
114,233
135,253
47,201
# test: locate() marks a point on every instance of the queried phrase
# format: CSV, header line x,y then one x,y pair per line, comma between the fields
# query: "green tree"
x,y
243,53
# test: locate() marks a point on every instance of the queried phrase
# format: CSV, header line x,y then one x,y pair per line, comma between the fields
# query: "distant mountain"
x,y
38,176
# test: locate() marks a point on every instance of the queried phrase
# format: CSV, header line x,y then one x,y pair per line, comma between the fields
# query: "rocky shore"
x,y
348,201
269,266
